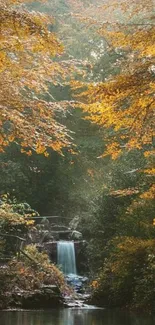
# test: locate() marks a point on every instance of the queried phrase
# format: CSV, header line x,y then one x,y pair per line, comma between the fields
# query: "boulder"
x,y
76,235
45,297
74,223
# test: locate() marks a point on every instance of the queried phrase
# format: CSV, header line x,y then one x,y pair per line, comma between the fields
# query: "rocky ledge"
x,y
43,298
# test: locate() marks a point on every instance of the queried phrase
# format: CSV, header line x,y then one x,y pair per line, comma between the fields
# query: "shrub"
x,y
127,277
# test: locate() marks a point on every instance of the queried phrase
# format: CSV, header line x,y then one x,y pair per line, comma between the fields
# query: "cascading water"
x,y
66,257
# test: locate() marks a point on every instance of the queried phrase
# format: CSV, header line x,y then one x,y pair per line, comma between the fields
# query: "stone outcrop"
x,y
75,235
47,235
45,297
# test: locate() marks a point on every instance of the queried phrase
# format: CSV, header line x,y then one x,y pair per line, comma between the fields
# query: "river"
x,y
74,317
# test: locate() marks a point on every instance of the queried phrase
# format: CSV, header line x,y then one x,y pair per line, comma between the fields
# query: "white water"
x,y
66,257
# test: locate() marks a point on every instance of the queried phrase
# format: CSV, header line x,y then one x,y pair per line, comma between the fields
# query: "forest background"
x,y
77,100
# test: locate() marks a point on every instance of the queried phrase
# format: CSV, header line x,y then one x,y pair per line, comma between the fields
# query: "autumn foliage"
x,y
127,277
125,103
27,109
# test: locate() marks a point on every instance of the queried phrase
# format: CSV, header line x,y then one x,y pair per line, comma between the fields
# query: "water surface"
x,y
74,317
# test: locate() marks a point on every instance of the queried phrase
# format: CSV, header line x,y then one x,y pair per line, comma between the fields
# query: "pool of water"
x,y
74,317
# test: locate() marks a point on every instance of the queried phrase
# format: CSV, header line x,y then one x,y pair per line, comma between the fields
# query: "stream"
x,y
73,316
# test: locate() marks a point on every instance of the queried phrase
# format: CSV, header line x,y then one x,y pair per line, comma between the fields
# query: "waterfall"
x,y
66,257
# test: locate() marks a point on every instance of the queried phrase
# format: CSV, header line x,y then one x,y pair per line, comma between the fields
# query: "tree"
x,y
59,185
127,277
29,63
124,104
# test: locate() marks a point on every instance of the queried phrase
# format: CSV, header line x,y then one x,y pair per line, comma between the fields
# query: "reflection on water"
x,y
73,317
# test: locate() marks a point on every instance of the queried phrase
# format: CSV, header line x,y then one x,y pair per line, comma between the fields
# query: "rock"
x,y
78,301
59,228
46,297
39,236
45,223
81,257
74,223
76,235
51,249
46,236
76,281
61,234
51,288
